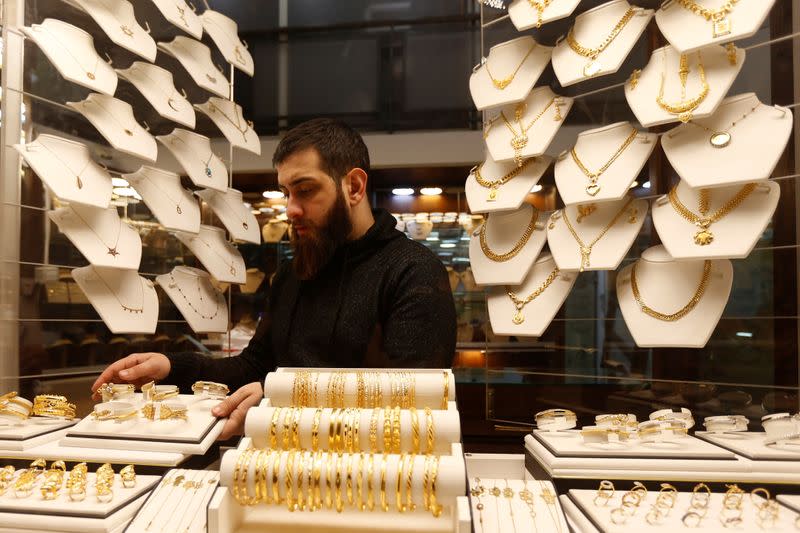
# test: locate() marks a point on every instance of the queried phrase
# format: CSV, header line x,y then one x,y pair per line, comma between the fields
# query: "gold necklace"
x,y
238,125
488,252
594,66
550,499
126,28
586,249
170,99
519,140
177,204
505,82
721,24
684,108
129,309
128,132
722,138
78,180
494,185
199,295
112,250
593,188
539,6
232,268
526,496
89,74
232,210
520,304
181,14
206,163
704,237
682,312
237,51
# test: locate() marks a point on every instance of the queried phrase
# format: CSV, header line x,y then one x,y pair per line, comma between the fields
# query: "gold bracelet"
x,y
259,475
264,476
309,466
112,391
273,428
51,406
370,474
398,497
347,439
396,444
13,412
384,505
117,411
329,480
276,467
414,430
349,479
331,434
373,430
317,497
301,504
249,500
166,411
436,509
315,429
430,429
426,481
338,485
387,429
289,473
361,388
360,482
287,421
410,505
356,435
209,389
446,395
237,474
295,425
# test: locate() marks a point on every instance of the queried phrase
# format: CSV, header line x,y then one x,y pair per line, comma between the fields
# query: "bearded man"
x,y
357,292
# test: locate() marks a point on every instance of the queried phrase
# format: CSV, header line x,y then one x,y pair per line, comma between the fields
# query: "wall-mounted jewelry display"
x,y
114,120
679,87
117,19
723,222
100,235
235,216
717,150
180,14
174,207
509,72
668,303
195,57
71,51
156,85
274,230
193,152
229,118
419,229
493,186
126,302
225,34
178,503
599,41
527,14
218,256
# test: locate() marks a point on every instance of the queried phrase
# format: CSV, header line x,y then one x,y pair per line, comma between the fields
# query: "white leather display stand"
x,y
274,230
687,31
590,29
53,451
178,13
498,138
610,250
108,289
158,88
203,307
193,152
35,431
503,60
225,34
780,459
595,148
666,286
235,216
195,57
229,118
100,235
174,207
735,234
118,21
503,231
508,196
524,16
114,120
720,74
419,230
539,312
217,255
71,51
764,132
67,168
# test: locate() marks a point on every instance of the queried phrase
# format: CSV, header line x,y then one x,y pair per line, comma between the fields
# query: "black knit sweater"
x,y
382,301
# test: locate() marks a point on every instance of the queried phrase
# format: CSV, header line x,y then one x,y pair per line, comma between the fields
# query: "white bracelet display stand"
x,y
22,435
203,307
532,320
100,235
687,31
712,152
229,118
608,252
194,153
114,120
503,231
665,61
225,34
195,57
217,255
118,21
590,29
481,199
178,13
734,235
667,286
71,51
174,207
274,230
524,16
498,138
158,88
126,302
67,168
594,149
235,216
503,60
419,229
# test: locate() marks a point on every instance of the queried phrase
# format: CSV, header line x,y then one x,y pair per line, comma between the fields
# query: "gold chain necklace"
x,y
112,250
206,163
505,82
78,180
519,139
520,303
586,249
89,74
684,108
128,132
682,312
126,28
721,24
170,99
550,500
539,6
238,125
516,248
129,309
494,185
237,51
199,295
593,188
232,268
594,66
722,137
232,209
170,198
704,237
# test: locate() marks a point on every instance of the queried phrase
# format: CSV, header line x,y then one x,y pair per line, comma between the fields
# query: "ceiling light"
x,y
119,182
646,184
403,191
448,245
746,334
274,195
430,191
536,188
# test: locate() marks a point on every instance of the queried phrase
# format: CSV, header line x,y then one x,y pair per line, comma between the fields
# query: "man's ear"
x,y
355,185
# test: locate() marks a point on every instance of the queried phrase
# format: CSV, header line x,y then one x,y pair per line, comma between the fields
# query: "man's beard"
x,y
315,247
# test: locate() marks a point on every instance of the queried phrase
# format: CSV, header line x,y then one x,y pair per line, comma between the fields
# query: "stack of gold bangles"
x,y
112,391
14,408
53,406
556,419
210,389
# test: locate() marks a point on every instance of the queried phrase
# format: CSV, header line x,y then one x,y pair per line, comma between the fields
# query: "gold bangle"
x,y
410,505
396,444
51,406
309,466
300,504
360,482
384,505
295,425
289,479
436,509
356,434
349,479
315,429
286,424
430,429
337,441
329,480
360,390
167,392
210,389
13,412
398,497
273,427
426,481
259,475
237,474
115,391
347,428
373,430
414,430
276,467
249,500
446,395
264,475
338,485
317,498
387,429
370,474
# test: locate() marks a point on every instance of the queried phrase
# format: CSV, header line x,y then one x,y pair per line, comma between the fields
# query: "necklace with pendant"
x,y
684,108
593,188
232,267
586,249
520,303
232,209
170,100
127,29
505,82
594,66
207,162
128,308
721,138
238,125
78,180
208,316
112,250
494,185
91,74
703,236
720,23
127,131
237,51
170,198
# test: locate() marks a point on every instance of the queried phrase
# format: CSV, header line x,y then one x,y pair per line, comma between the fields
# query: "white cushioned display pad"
x,y
44,435
578,522
751,445
54,451
790,501
33,427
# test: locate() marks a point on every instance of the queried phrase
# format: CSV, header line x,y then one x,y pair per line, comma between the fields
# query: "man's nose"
x,y
293,209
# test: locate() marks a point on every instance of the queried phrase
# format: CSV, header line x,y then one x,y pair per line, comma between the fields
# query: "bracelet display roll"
x,y
725,423
114,411
158,393
556,419
657,431
53,406
605,435
684,415
210,389
622,421
114,391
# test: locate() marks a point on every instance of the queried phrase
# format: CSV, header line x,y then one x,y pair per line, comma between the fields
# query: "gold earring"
x,y
633,213
634,79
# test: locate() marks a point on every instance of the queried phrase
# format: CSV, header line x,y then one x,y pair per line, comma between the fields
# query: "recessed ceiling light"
x,y
403,191
448,245
274,195
430,191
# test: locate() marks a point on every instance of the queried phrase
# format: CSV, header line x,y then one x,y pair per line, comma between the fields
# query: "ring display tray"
x,y
54,451
30,434
773,459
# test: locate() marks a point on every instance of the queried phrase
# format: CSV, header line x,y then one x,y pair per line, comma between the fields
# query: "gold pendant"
x,y
126,30
685,117
592,68
722,27
244,225
720,139
703,237
518,318
80,182
113,252
171,103
178,209
90,75
518,142
502,84
129,132
492,195
586,252
592,189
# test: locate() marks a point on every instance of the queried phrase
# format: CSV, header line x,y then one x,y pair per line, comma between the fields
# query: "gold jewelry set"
x,y
53,406
519,138
52,480
684,108
157,406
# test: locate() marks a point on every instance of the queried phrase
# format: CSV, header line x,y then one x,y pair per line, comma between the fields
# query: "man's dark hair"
x,y
340,147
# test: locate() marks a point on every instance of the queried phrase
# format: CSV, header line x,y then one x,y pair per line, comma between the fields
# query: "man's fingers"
x,y
113,370
234,425
224,408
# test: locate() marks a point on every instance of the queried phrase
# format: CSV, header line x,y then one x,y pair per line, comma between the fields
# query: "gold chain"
x,y
592,53
683,108
586,249
519,318
539,6
517,247
493,185
593,188
505,82
721,138
703,236
520,139
682,312
718,17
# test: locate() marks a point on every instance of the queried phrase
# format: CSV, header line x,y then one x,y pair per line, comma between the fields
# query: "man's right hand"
x,y
137,368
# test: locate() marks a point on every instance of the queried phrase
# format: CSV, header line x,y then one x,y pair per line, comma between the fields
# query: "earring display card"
x,y
503,505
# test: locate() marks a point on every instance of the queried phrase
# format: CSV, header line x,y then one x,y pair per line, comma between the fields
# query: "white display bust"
x,y
687,31
419,229
482,199
504,230
234,215
220,258
532,320
203,307
504,59
178,13
524,16
590,30
274,230
735,234
764,131
71,51
67,168
719,72
157,86
174,207
666,286
229,118
118,21
196,59
609,251
225,34
193,152
595,148
100,235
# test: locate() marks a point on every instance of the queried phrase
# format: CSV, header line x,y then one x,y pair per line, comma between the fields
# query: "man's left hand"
x,y
235,408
